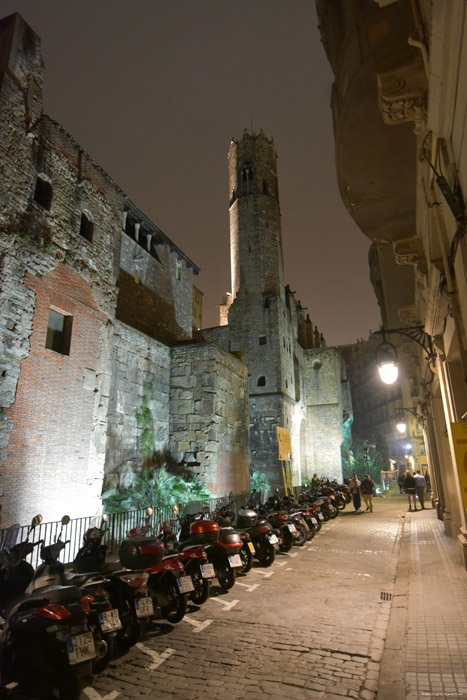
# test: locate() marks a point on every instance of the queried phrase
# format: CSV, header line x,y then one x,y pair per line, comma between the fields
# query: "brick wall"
x,y
48,460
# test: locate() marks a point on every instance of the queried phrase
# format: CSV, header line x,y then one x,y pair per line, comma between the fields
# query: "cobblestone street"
x,y
310,626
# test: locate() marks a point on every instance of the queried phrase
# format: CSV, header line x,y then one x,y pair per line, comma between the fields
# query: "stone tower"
x,y
260,323
294,381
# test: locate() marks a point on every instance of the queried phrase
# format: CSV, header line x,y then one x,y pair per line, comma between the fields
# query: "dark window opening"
x,y
43,193
59,332
267,303
262,340
261,381
265,187
86,227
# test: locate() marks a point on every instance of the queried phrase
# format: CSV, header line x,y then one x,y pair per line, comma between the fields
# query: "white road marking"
x,y
158,658
199,626
226,603
245,585
92,694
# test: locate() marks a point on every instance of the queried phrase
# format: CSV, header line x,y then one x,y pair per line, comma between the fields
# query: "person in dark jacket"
x,y
366,488
354,486
410,489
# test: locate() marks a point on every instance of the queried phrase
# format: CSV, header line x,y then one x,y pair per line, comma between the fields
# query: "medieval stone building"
x,y
101,358
295,381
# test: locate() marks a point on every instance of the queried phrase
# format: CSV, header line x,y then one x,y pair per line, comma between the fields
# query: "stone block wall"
x,y
140,372
209,415
324,411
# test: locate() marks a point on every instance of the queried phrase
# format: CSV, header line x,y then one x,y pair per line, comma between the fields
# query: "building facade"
x,y
97,313
399,111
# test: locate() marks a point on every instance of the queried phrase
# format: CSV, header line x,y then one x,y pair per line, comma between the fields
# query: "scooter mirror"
x,y
106,517
37,519
149,510
66,519
206,509
175,509
221,500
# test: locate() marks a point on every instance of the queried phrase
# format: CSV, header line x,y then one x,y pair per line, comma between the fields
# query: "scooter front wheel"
x,y
226,577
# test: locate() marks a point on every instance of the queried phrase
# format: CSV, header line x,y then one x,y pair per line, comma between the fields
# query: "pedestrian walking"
x,y
367,489
354,485
400,482
409,486
420,485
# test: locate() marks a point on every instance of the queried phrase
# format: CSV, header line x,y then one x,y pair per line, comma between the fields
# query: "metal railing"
x,y
116,528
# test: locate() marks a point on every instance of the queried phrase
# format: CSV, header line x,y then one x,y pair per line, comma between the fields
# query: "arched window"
x,y
86,227
261,381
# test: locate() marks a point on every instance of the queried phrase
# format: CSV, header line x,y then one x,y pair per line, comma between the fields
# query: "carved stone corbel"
x,y
402,94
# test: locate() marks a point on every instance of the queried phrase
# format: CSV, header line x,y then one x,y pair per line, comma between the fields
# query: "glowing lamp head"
x,y
386,362
401,426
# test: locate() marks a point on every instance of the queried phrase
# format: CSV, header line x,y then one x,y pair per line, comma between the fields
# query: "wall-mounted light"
x,y
387,362
401,426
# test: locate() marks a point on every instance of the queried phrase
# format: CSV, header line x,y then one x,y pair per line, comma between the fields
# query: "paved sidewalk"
x,y
425,653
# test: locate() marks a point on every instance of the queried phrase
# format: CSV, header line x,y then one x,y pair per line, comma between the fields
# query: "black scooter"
x,y
46,644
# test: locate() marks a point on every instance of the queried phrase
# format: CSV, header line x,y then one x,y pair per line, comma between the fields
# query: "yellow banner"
x,y
459,436
283,442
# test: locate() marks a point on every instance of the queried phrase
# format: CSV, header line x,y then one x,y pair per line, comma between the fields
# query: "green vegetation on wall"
x,y
155,488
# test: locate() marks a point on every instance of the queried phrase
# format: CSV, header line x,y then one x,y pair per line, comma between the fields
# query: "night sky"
x,y
154,90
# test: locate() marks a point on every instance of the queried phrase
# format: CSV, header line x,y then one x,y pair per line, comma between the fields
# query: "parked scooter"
x,y
46,644
103,620
127,589
194,560
225,516
168,583
222,546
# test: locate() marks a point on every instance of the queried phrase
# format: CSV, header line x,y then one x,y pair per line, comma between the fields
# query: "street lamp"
x,y
387,362
386,354
401,426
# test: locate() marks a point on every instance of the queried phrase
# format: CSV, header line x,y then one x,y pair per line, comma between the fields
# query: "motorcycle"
x,y
194,560
225,516
127,589
103,620
168,584
222,546
46,645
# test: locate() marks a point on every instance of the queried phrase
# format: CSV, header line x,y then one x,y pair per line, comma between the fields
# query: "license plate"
x,y
110,621
273,539
185,584
251,547
292,527
235,560
80,648
313,520
144,607
320,516
207,571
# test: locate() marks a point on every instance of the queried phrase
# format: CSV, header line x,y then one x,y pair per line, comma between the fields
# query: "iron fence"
x,y
116,528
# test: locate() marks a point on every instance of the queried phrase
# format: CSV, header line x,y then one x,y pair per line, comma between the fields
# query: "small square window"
x,y
43,193
59,332
86,227
262,340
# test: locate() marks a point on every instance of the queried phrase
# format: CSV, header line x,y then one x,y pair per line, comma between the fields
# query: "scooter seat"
x,y
43,596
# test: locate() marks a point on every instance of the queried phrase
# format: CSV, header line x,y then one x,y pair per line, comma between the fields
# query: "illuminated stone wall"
x,y
209,416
